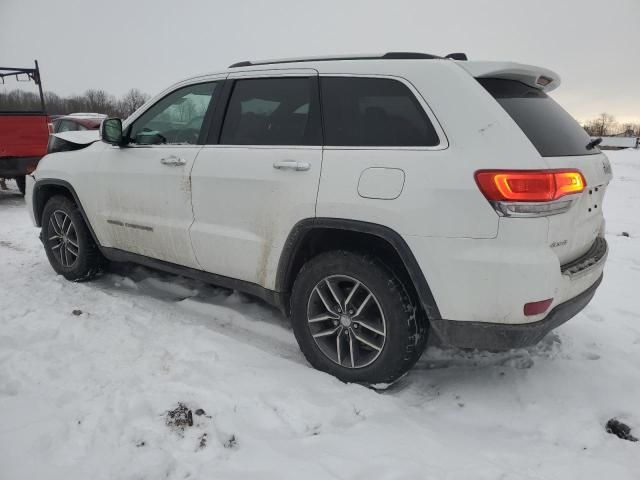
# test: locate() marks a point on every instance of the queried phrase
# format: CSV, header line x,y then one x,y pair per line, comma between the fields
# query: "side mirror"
x,y
111,131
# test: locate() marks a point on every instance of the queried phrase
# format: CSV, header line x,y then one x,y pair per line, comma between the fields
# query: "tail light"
x,y
50,125
530,192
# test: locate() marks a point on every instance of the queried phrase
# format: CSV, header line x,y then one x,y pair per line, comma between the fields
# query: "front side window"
x,y
176,119
376,112
273,111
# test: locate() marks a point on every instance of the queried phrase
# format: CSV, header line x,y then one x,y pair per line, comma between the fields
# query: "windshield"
x,y
551,130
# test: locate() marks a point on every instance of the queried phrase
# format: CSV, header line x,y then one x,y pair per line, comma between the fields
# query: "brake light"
x,y
543,81
50,126
529,185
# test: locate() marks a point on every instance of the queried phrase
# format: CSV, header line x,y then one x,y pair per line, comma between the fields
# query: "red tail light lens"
x,y
529,185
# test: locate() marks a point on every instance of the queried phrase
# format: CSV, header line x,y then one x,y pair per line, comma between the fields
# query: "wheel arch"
x,y
312,236
44,189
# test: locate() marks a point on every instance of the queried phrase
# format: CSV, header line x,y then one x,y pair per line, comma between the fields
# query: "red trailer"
x,y
23,134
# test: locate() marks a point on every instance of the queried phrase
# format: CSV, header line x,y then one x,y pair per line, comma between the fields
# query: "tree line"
x,y
99,101
605,124
93,100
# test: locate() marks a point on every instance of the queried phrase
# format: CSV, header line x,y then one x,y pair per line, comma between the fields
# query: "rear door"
x,y
564,145
259,175
144,188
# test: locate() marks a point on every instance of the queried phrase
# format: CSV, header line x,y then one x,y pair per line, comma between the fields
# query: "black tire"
x,y
405,326
89,261
22,184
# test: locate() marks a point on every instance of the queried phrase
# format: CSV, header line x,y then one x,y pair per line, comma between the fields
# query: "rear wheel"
x,y
67,241
22,184
354,319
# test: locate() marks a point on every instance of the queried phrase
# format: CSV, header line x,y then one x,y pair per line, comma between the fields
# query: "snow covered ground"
x,y
85,395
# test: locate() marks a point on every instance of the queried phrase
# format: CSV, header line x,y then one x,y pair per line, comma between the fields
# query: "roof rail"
x,y
388,56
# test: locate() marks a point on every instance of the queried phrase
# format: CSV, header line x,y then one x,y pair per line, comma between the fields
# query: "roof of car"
x,y
88,120
538,77
385,63
383,56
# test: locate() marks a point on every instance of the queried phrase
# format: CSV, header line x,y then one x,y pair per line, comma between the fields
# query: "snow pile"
x,y
156,376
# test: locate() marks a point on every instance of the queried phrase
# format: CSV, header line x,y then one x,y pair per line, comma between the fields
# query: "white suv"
x,y
373,199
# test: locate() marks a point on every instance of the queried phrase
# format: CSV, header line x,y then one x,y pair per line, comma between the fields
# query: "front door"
x,y
262,178
144,187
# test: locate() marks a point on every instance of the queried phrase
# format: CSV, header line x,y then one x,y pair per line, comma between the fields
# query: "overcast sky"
x,y
119,44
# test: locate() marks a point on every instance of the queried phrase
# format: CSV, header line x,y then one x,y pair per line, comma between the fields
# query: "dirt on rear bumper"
x,y
500,336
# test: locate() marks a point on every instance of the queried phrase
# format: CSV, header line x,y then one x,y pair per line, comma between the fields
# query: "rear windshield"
x,y
551,130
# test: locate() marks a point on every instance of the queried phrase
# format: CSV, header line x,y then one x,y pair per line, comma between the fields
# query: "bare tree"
x,y
630,129
601,126
99,101
131,101
604,123
92,100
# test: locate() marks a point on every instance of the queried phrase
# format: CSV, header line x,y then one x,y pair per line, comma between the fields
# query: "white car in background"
x,y
373,199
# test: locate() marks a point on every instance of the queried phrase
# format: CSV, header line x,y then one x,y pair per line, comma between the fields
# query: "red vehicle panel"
x,y
23,134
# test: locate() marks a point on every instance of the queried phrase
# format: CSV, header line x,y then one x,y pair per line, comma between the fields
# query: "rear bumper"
x,y
17,166
501,336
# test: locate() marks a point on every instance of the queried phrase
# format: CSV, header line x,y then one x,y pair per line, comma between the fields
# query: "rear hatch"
x,y
563,144
571,234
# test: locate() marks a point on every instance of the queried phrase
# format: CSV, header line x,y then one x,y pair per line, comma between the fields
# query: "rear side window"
x,y
273,111
551,130
373,112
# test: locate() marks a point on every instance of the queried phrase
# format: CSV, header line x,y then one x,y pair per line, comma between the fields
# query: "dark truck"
x,y
23,133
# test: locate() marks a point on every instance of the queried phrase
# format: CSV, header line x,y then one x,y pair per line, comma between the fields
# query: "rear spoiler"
x,y
536,77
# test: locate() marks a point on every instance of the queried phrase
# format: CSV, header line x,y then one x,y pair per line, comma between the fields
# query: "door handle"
x,y
291,165
173,161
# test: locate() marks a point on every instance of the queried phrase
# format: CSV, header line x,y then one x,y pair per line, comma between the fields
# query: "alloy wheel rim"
x,y
63,239
346,321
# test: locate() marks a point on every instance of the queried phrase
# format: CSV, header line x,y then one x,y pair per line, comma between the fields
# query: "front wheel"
x,y
68,242
354,319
